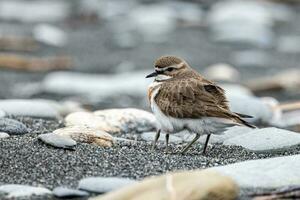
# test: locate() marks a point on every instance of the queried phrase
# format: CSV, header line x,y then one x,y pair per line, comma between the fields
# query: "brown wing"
x,y
191,98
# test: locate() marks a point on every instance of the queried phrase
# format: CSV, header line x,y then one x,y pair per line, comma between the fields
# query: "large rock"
x,y
192,185
103,184
12,127
264,173
57,140
114,120
15,190
266,140
86,135
37,107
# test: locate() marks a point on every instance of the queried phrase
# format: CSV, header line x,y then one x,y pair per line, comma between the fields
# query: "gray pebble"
x,y
63,192
266,140
15,190
3,135
103,184
57,140
12,126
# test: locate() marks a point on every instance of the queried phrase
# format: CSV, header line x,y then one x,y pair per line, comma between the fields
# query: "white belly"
x,y
205,125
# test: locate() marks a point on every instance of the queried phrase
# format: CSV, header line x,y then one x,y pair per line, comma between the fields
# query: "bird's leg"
x,y
206,143
191,143
167,142
155,139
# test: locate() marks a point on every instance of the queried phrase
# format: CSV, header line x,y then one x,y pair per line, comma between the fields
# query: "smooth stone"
x,y
50,35
114,120
222,72
264,173
56,140
96,86
40,11
288,44
150,136
15,190
12,127
2,113
288,119
63,192
266,140
236,90
198,184
245,58
103,184
3,135
86,135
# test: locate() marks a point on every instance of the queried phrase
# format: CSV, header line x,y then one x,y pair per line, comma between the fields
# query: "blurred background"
x,y
97,52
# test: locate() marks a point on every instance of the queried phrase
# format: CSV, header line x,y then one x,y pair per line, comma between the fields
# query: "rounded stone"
x,y
57,140
12,127
63,192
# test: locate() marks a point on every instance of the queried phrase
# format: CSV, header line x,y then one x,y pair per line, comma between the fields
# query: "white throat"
x,y
162,77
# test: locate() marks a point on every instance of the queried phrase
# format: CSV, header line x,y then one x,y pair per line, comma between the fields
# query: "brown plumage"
x,y
182,93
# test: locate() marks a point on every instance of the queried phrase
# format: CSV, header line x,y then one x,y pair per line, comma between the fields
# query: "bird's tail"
x,y
238,118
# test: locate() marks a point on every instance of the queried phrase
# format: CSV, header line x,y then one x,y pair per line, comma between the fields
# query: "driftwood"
x,y
18,62
284,193
15,43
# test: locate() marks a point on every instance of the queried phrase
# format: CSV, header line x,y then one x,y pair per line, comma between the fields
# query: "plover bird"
x,y
182,99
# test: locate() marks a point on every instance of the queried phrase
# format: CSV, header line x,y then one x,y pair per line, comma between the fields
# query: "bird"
x,y
182,99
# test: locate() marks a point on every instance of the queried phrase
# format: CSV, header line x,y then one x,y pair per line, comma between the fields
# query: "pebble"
x,y
222,72
50,35
41,11
12,127
2,113
150,136
86,135
103,184
15,190
288,44
264,173
236,90
114,120
63,192
56,140
196,184
3,135
245,58
266,140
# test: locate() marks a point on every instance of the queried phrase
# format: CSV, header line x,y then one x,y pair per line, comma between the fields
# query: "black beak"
x,y
152,75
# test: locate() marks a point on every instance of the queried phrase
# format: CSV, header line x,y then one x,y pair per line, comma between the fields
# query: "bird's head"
x,y
167,67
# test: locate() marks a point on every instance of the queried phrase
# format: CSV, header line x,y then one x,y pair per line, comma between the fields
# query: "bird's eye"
x,y
170,69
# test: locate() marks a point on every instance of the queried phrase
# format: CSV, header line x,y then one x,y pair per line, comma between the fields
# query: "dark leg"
x,y
156,138
206,143
190,144
167,142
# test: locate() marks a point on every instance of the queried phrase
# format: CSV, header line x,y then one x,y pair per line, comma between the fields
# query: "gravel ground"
x,y
35,163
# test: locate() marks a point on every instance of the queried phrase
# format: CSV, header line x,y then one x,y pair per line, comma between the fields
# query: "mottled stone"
x,y
12,127
86,135
57,140
63,192
264,173
266,140
103,184
197,184
15,190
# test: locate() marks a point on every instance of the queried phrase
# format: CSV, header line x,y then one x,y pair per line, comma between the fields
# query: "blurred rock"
x,y
251,58
289,44
2,113
96,86
12,127
246,22
276,172
178,185
150,136
56,140
277,82
43,108
235,89
3,135
15,190
222,72
17,43
50,35
266,140
34,11
63,192
103,184
18,62
259,109
86,135
288,120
